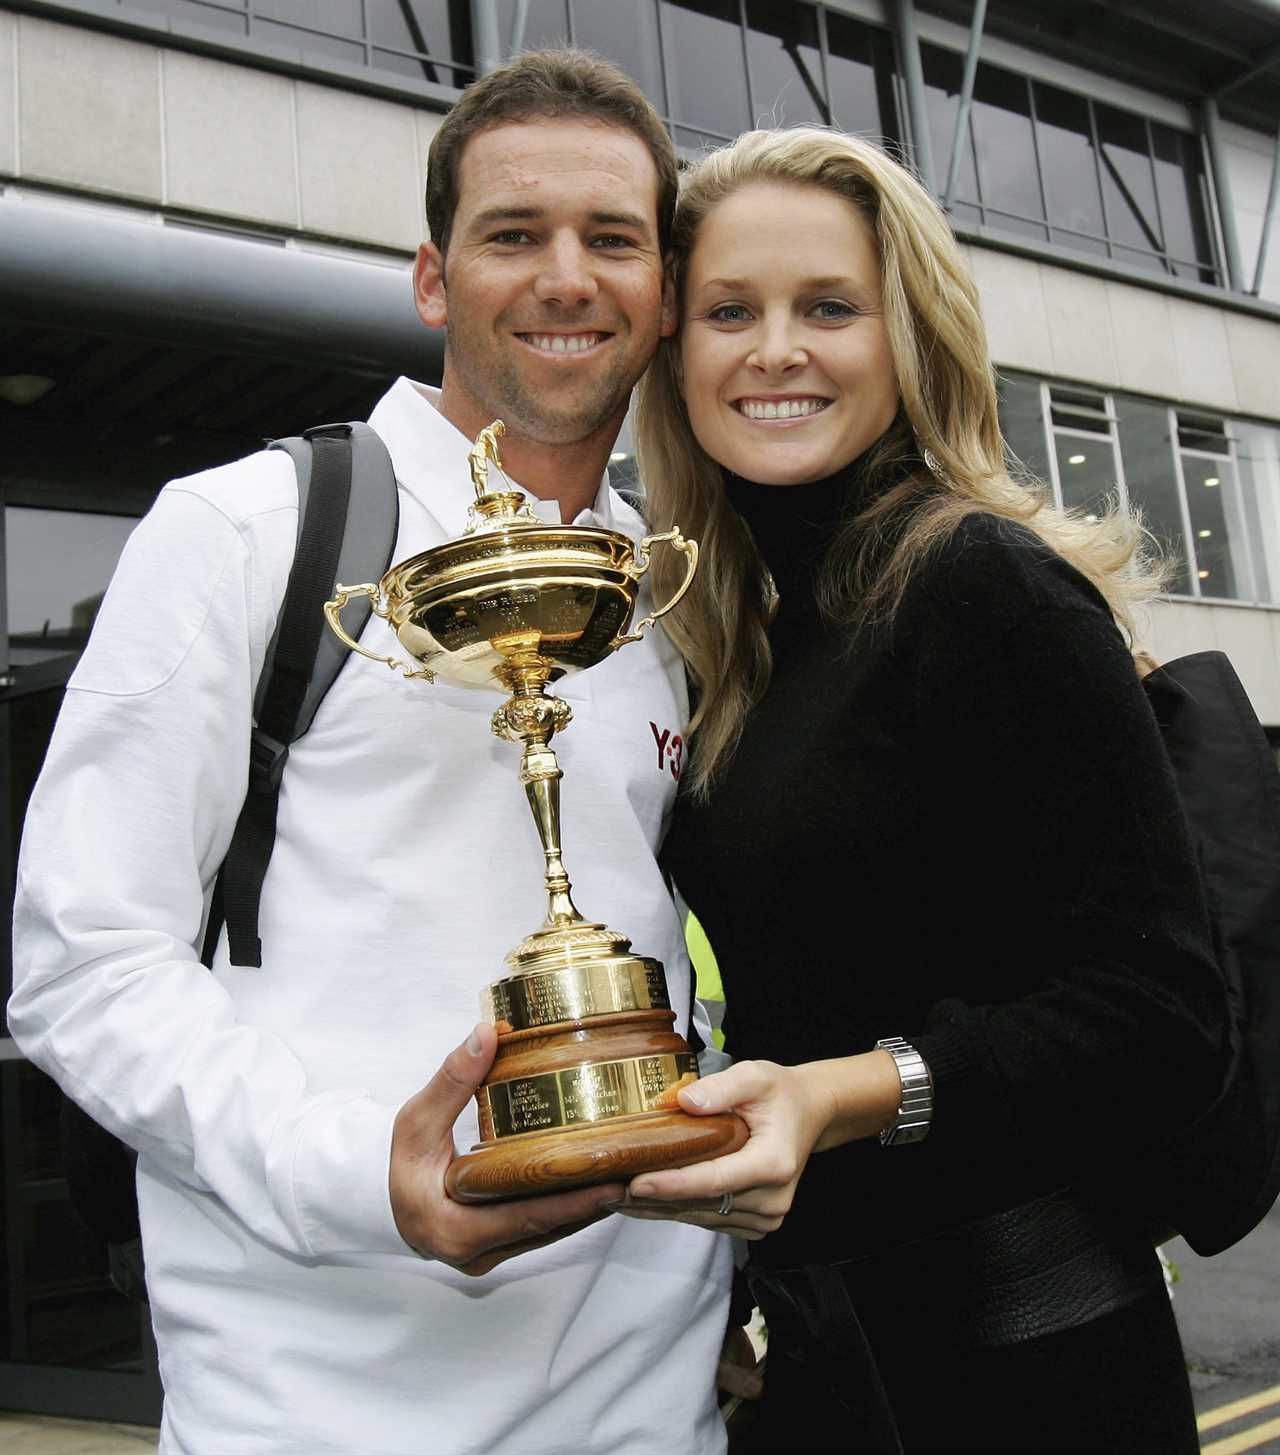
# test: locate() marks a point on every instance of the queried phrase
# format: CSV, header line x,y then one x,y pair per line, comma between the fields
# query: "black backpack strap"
x,y
347,520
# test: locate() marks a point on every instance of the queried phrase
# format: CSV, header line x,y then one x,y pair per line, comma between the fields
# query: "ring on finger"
x,y
726,1205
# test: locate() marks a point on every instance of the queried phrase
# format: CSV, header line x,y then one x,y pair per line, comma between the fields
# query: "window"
x,y
50,612
1146,445
1059,167
784,56
1087,473
425,40
706,70
1208,488
1219,546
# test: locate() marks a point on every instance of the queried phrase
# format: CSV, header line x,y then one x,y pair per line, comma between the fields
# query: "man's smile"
x,y
565,343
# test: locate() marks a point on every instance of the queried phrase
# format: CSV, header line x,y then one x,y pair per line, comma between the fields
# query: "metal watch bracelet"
x,y
915,1106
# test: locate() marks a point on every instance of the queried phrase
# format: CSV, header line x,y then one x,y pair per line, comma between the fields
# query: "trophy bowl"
x,y
583,1086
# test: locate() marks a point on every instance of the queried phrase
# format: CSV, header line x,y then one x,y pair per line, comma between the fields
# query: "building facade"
x,y
207,213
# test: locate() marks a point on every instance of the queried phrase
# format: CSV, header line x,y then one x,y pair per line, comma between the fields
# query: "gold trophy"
x,y
583,1086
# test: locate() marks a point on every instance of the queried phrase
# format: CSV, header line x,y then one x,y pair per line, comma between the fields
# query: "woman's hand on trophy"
x,y
790,1112
473,1239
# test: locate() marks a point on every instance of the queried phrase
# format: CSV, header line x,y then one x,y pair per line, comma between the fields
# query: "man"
x,y
309,1279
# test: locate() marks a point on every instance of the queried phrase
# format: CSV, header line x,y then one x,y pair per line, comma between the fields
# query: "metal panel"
x,y
75,267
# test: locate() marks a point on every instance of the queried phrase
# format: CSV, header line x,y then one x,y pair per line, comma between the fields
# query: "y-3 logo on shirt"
x,y
670,748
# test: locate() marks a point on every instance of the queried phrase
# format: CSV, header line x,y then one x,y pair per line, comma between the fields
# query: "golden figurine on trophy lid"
x,y
583,1086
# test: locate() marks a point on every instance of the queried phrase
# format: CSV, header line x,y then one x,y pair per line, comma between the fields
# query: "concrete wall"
x,y
125,119
1068,325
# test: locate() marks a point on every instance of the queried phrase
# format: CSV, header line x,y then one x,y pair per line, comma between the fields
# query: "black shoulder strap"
x,y
347,520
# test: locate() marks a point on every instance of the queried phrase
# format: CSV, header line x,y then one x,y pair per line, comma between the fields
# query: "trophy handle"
x,y
333,610
640,564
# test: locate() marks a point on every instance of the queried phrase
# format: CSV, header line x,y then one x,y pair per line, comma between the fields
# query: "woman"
x,y
928,806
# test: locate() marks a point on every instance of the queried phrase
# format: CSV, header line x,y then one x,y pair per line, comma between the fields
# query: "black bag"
x,y
1217,1179
348,515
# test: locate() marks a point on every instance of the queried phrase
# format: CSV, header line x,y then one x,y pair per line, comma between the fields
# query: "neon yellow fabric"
x,y
710,986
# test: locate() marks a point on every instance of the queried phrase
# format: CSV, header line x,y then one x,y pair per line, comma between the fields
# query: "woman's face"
x,y
787,370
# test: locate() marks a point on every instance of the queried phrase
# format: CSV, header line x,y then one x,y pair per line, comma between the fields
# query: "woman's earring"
x,y
931,463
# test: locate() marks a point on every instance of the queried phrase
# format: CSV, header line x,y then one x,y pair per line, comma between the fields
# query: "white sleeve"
x,y
127,826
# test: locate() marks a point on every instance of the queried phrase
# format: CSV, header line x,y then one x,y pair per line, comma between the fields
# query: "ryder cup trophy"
x,y
583,1087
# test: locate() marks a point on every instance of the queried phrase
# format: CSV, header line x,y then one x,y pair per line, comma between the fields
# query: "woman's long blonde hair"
x,y
948,407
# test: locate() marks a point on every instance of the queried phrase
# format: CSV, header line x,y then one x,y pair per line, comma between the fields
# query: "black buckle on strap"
x,y
267,758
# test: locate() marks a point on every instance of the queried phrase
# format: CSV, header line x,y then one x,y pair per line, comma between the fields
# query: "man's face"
x,y
553,291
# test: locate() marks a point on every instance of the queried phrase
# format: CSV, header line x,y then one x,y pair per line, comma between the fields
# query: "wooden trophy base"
x,y
578,1102
609,1151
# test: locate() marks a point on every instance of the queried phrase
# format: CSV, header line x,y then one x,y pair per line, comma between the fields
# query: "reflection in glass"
x,y
1180,185
860,78
223,18
786,64
288,36
1065,139
1208,482
1087,472
628,35
56,608
1022,423
546,23
337,17
1018,225
706,78
943,77
1258,460
1146,448
61,1306
426,27
697,142
1001,123
1127,184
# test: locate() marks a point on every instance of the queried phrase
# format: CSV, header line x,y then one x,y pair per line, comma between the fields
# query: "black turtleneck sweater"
x,y
963,831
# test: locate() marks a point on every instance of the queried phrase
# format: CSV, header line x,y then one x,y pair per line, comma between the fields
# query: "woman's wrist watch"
x,y
915,1106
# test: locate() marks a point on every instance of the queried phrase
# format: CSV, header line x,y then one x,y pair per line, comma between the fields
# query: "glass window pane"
x,y
1018,225
943,76
697,142
1001,121
1080,244
1067,157
1258,459
1126,178
423,68
1152,262
706,78
1180,184
1086,472
786,64
431,27
336,17
852,77
50,612
628,35
1150,475
191,12
1217,562
546,24
286,36
61,1307
1022,423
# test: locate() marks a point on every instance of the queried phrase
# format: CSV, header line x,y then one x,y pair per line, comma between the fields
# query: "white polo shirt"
x,y
290,1315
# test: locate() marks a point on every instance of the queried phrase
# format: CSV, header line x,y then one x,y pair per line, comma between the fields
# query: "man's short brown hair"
x,y
546,84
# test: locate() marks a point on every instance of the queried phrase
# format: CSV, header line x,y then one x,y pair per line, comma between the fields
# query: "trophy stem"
x,y
541,774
